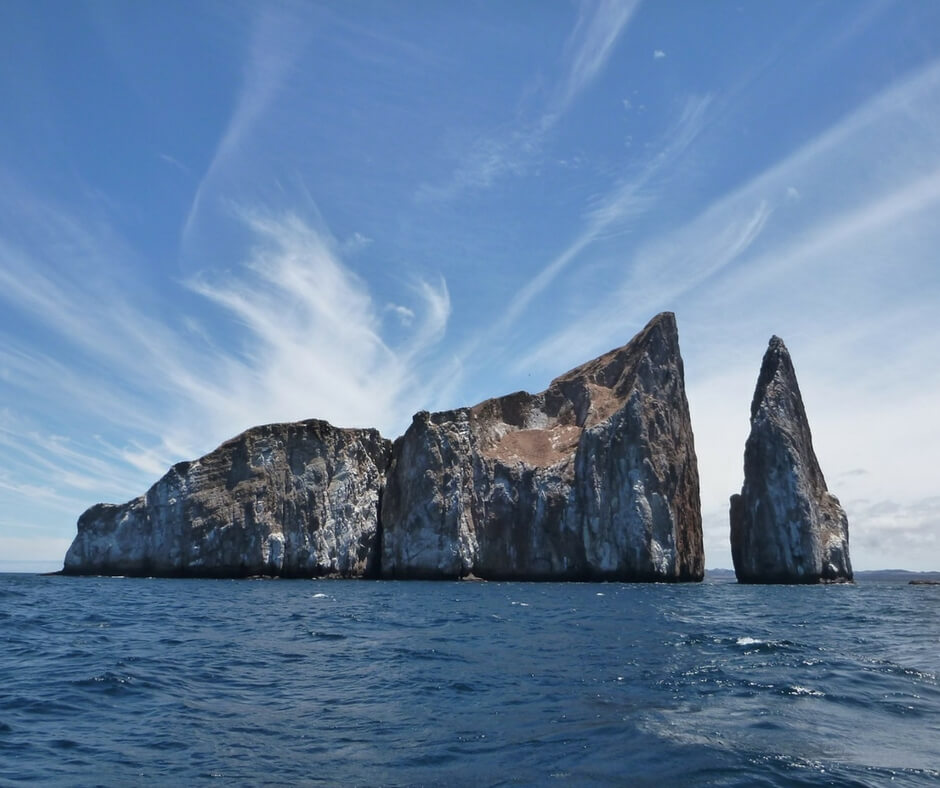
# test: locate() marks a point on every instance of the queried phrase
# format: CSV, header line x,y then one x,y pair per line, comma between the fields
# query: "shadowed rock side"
x,y
294,500
785,525
594,478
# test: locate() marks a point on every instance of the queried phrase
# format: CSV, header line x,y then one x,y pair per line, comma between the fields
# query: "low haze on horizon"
x,y
216,215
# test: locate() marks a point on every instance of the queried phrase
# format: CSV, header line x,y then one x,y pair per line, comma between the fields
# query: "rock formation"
x,y
785,525
594,478
299,499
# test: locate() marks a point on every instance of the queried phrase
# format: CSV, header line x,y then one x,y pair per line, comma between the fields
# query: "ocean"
x,y
111,681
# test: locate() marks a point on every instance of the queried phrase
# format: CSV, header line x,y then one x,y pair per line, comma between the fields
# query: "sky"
x,y
220,214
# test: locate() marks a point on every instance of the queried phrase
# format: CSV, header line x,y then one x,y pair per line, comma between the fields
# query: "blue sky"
x,y
215,215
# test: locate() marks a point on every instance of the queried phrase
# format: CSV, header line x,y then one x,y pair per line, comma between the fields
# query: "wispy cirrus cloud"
x,y
815,204
174,162
355,243
150,390
837,243
610,213
277,40
626,201
589,47
586,52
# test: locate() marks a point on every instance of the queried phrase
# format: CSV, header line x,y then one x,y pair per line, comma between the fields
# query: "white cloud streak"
x,y
307,343
842,197
277,40
585,54
625,202
590,45
355,243
405,315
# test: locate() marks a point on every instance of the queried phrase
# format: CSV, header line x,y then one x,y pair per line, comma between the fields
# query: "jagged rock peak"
x,y
593,478
786,527
299,499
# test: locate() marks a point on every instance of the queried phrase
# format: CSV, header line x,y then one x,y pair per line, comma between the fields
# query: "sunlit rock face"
x,y
291,500
785,525
594,478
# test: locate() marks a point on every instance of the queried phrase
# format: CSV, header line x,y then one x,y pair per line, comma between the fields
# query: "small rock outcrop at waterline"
x,y
786,527
292,500
593,479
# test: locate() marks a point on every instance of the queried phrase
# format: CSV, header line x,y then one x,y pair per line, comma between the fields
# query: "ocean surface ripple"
x,y
159,682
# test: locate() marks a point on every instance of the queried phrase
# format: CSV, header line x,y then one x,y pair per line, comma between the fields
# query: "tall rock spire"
x,y
786,527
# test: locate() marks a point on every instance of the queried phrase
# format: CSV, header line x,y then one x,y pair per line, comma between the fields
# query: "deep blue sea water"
x,y
181,682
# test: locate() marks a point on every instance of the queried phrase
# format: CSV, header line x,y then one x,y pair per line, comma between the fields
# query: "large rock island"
x,y
786,527
595,478
291,500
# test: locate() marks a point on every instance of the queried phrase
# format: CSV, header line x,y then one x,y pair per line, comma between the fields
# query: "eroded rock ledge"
x,y
786,527
594,478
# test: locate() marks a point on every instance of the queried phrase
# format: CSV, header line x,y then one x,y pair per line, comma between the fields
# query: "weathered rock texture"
x,y
594,478
294,500
785,525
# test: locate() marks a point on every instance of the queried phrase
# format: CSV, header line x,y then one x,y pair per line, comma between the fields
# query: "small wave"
x,y
756,644
328,635
796,689
521,604
108,682
430,655
767,725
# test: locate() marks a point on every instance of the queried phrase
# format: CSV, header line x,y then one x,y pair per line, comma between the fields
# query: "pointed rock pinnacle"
x,y
786,527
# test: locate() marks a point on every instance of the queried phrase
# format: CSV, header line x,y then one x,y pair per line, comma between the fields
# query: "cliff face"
x,y
594,478
299,499
785,525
